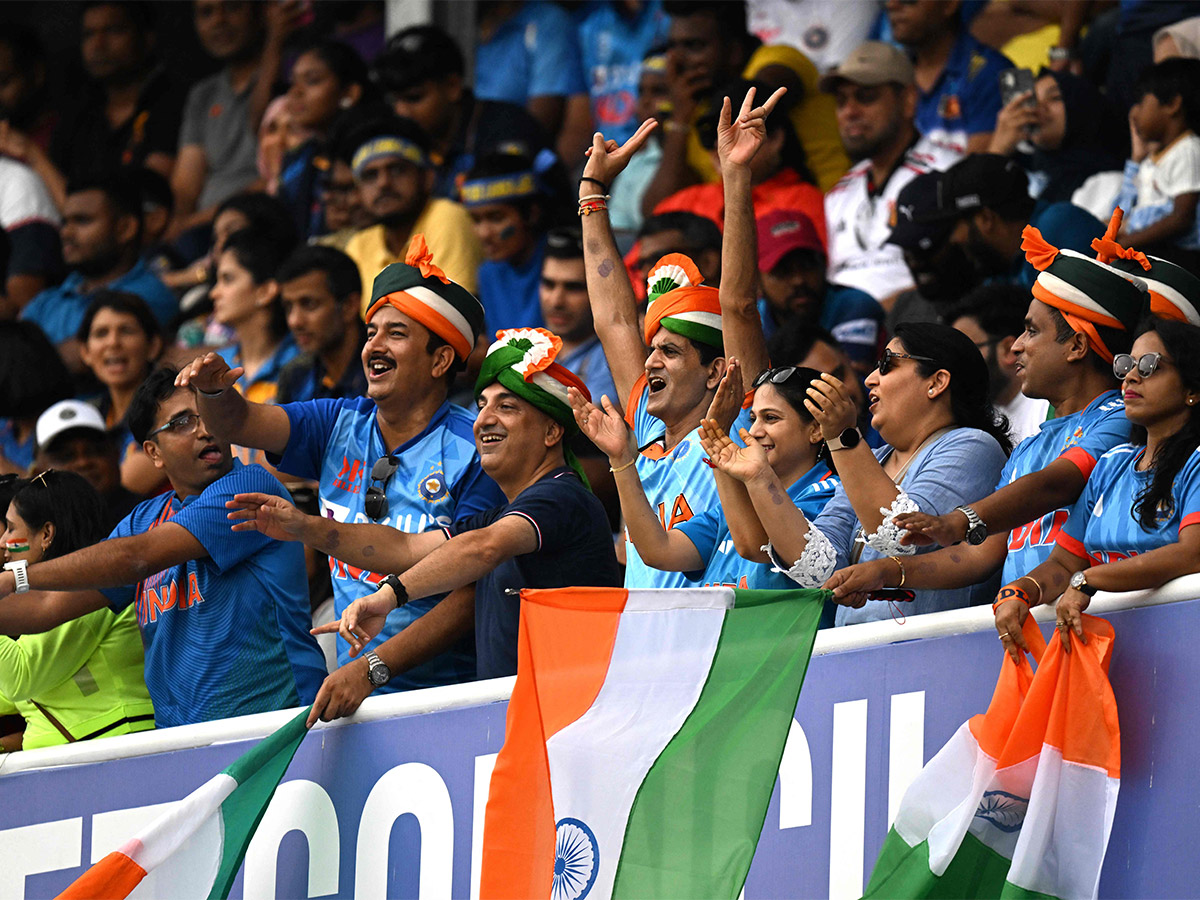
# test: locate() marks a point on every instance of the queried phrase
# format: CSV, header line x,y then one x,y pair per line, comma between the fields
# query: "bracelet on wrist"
x,y
1011,593
1035,584
621,468
903,577
596,181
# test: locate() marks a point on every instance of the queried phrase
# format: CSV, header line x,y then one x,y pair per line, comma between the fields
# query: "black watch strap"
x,y
397,586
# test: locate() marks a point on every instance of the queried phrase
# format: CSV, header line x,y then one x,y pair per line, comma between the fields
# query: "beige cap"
x,y
872,62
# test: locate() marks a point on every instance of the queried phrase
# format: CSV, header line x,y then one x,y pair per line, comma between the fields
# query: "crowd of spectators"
x,y
659,293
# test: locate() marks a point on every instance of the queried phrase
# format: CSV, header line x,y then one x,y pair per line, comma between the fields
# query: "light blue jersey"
x,y
1081,437
709,532
677,482
440,480
225,634
1103,526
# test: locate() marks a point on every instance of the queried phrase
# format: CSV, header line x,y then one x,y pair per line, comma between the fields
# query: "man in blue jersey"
x,y
401,456
549,532
689,329
1082,313
223,616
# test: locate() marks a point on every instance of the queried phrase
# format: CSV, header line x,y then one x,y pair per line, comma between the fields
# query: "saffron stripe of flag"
x,y
196,848
1020,801
643,740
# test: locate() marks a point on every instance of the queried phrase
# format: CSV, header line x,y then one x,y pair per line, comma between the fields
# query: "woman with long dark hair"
x,y
84,678
1134,526
946,445
787,448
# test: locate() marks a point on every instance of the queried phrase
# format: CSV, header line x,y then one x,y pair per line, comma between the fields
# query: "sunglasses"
x,y
183,424
376,501
774,376
1147,364
888,359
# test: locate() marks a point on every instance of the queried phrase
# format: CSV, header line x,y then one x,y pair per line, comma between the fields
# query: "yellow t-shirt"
x,y
448,232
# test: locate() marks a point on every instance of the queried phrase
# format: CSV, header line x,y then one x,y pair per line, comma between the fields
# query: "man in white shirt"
x,y
876,102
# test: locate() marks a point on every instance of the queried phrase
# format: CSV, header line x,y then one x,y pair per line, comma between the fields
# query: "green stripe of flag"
x,y
258,773
696,819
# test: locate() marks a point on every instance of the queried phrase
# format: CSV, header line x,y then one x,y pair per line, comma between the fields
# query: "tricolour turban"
x,y
1174,291
523,361
421,291
1094,298
680,303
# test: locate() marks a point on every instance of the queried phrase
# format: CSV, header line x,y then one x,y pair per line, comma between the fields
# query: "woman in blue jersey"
x,y
1133,528
928,398
789,444
82,679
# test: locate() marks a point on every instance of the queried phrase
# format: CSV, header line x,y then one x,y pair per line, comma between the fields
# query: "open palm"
x,y
743,463
603,427
738,140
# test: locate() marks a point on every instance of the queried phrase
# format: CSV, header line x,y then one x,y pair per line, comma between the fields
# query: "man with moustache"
x,y
402,456
223,633
395,177
320,291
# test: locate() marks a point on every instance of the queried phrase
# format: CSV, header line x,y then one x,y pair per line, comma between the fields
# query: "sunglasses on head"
x,y
1147,364
775,376
376,501
888,360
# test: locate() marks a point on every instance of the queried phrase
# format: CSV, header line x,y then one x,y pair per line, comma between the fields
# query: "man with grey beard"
x,y
876,102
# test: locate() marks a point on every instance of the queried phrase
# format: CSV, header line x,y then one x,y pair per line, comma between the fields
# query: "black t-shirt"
x,y
575,548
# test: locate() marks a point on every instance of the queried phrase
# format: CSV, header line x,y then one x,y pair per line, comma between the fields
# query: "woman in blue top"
x,y
789,445
1133,528
929,400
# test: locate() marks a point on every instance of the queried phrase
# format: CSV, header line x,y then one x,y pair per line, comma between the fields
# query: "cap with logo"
x,y
780,232
67,415
981,180
915,225
870,63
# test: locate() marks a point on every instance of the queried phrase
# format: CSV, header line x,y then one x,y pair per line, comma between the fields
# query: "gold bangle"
x,y
622,468
1035,584
896,560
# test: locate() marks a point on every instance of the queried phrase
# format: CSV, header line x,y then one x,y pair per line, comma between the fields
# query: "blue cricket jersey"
x,y
1103,525
225,634
1081,437
440,480
709,532
677,483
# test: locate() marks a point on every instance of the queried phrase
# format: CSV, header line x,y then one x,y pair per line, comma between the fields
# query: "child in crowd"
x,y
1162,179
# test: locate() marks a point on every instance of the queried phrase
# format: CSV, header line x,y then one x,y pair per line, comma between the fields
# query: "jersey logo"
x,y
349,476
949,107
155,601
433,487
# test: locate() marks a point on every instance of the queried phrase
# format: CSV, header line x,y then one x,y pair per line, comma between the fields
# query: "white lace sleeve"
x,y
886,540
816,563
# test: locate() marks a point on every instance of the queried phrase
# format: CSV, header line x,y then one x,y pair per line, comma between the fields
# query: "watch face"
x,y
379,675
850,438
977,534
1077,580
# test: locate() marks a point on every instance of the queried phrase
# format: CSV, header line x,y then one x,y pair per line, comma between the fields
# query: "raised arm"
x,y
230,415
614,307
737,143
378,548
662,548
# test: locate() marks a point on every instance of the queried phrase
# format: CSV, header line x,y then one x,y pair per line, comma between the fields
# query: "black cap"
x,y
981,180
915,224
416,55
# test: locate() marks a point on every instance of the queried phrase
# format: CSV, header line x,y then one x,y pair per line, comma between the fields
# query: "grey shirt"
x,y
218,121
959,467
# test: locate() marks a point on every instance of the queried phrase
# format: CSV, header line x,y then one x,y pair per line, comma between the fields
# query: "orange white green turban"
x,y
1174,291
1094,298
680,303
420,290
523,361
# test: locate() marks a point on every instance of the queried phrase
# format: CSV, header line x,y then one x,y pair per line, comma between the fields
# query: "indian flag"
x,y
1020,802
196,848
643,739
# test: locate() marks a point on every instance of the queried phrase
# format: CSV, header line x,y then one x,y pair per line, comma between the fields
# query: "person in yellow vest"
x,y
83,679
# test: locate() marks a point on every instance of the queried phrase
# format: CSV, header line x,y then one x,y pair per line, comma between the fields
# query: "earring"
x,y
1191,401
931,392
346,103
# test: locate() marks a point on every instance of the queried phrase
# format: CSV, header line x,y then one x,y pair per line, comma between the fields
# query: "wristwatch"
x,y
977,531
20,573
377,671
1079,582
397,586
847,440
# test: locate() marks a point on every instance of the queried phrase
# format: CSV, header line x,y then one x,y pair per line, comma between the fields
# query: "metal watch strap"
x,y
374,662
19,568
973,520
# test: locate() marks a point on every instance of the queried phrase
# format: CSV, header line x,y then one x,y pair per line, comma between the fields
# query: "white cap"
x,y
65,415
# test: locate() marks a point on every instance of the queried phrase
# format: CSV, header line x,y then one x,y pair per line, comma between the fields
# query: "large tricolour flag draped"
x,y
196,848
643,739
1020,802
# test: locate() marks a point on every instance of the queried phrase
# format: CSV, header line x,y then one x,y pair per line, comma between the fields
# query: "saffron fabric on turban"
x,y
681,303
420,290
1174,291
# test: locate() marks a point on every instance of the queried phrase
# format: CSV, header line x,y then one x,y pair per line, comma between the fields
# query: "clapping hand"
x,y
727,401
830,406
743,463
603,427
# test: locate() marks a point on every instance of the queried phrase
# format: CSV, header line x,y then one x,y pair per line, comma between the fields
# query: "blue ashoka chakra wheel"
x,y
576,860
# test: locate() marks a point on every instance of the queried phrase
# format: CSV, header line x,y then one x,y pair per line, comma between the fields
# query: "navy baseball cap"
x,y
915,223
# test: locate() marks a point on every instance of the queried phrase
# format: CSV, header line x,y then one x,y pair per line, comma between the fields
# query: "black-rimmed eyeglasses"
x,y
376,501
889,357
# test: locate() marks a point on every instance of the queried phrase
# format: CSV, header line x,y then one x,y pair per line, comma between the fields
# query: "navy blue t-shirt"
x,y
575,547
